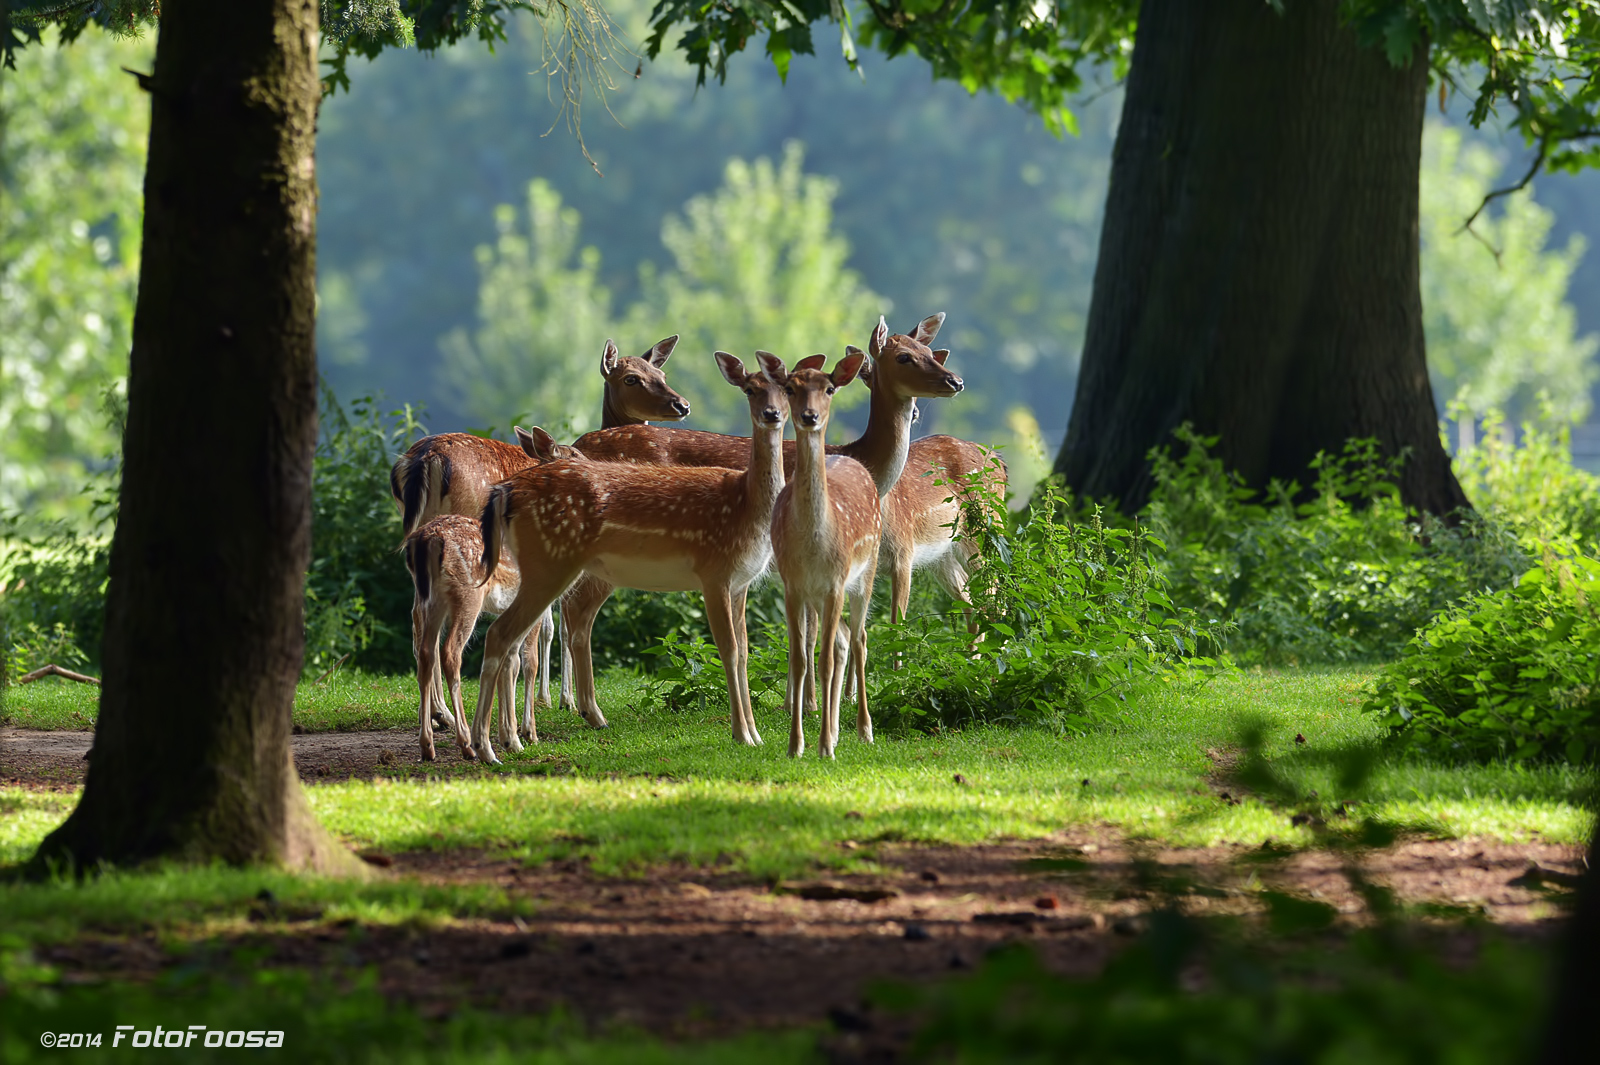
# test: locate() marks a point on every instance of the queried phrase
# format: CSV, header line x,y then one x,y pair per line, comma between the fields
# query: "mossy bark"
x,y
1258,270
204,633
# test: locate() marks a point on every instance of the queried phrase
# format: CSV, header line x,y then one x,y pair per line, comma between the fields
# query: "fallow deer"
x,y
451,473
658,528
825,537
445,559
902,369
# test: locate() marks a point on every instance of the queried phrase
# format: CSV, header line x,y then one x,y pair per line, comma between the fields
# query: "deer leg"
x,y
829,666
538,591
860,603
799,653
568,700
719,615
427,662
578,609
547,632
463,619
506,723
533,663
742,635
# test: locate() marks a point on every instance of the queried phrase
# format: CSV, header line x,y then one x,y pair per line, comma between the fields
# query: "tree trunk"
x,y
1258,270
204,633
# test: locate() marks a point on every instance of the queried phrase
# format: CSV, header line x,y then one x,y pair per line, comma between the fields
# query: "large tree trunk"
x,y
1258,265
204,633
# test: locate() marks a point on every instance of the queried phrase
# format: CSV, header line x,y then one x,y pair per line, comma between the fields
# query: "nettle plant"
x,y
1508,674
1070,618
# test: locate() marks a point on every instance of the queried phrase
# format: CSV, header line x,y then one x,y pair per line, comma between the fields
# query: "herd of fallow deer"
x,y
515,529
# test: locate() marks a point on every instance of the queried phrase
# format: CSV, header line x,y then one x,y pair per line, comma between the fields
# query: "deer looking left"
x,y
451,473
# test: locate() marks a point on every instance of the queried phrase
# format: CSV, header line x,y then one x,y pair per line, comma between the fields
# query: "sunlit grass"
x,y
662,787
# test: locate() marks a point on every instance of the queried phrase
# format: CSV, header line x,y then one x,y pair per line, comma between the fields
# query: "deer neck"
x,y
764,476
810,480
885,442
611,417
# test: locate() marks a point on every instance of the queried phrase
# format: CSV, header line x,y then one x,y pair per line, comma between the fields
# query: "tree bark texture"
x,y
1258,270
204,632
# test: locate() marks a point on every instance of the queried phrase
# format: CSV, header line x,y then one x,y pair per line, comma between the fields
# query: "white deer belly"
x,y
674,573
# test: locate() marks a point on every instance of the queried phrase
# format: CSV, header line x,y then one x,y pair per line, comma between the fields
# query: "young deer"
x,y
445,559
902,369
658,528
825,538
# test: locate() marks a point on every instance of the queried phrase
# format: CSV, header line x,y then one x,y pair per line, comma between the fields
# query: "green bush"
x,y
1336,573
52,598
1074,617
1513,673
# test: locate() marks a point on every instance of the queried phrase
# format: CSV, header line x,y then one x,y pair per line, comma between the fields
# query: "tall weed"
x,y
1531,485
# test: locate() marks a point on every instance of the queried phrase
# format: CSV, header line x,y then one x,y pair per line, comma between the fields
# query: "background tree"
x,y
1500,329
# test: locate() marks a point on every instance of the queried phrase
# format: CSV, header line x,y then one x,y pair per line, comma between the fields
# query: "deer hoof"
x,y
427,752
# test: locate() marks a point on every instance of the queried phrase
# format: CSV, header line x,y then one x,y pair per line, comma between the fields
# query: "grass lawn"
x,y
662,787
671,787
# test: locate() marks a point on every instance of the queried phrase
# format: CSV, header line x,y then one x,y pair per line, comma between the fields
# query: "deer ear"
x,y
940,354
525,441
866,366
811,362
732,369
880,337
847,369
928,328
659,354
773,367
608,358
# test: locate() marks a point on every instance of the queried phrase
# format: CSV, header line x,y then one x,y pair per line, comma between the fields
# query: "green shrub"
x,y
1074,616
1513,673
52,598
1338,573
358,596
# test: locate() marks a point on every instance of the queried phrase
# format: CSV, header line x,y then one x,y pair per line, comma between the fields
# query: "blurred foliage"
x,y
1499,328
1513,673
52,596
1335,572
72,146
541,317
1529,484
757,266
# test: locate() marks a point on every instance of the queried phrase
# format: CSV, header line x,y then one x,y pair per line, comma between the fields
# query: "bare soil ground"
x,y
686,952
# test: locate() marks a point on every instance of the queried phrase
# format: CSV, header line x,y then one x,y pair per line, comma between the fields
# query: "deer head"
x,y
636,388
904,367
769,403
810,391
542,447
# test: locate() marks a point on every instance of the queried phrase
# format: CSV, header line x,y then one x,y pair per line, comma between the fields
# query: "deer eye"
x,y
830,390
631,379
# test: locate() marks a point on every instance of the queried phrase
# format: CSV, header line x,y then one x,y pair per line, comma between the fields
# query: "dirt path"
x,y
55,759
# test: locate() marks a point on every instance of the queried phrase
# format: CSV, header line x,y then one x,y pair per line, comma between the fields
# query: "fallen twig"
x,y
53,670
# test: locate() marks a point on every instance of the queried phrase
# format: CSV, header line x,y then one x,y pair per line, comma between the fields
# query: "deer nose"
x,y
809,417
681,408
954,382
772,415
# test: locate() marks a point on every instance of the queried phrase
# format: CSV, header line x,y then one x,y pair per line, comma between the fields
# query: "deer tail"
x,y
492,526
418,482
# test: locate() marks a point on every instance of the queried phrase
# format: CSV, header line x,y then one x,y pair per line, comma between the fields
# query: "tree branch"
x,y
53,670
